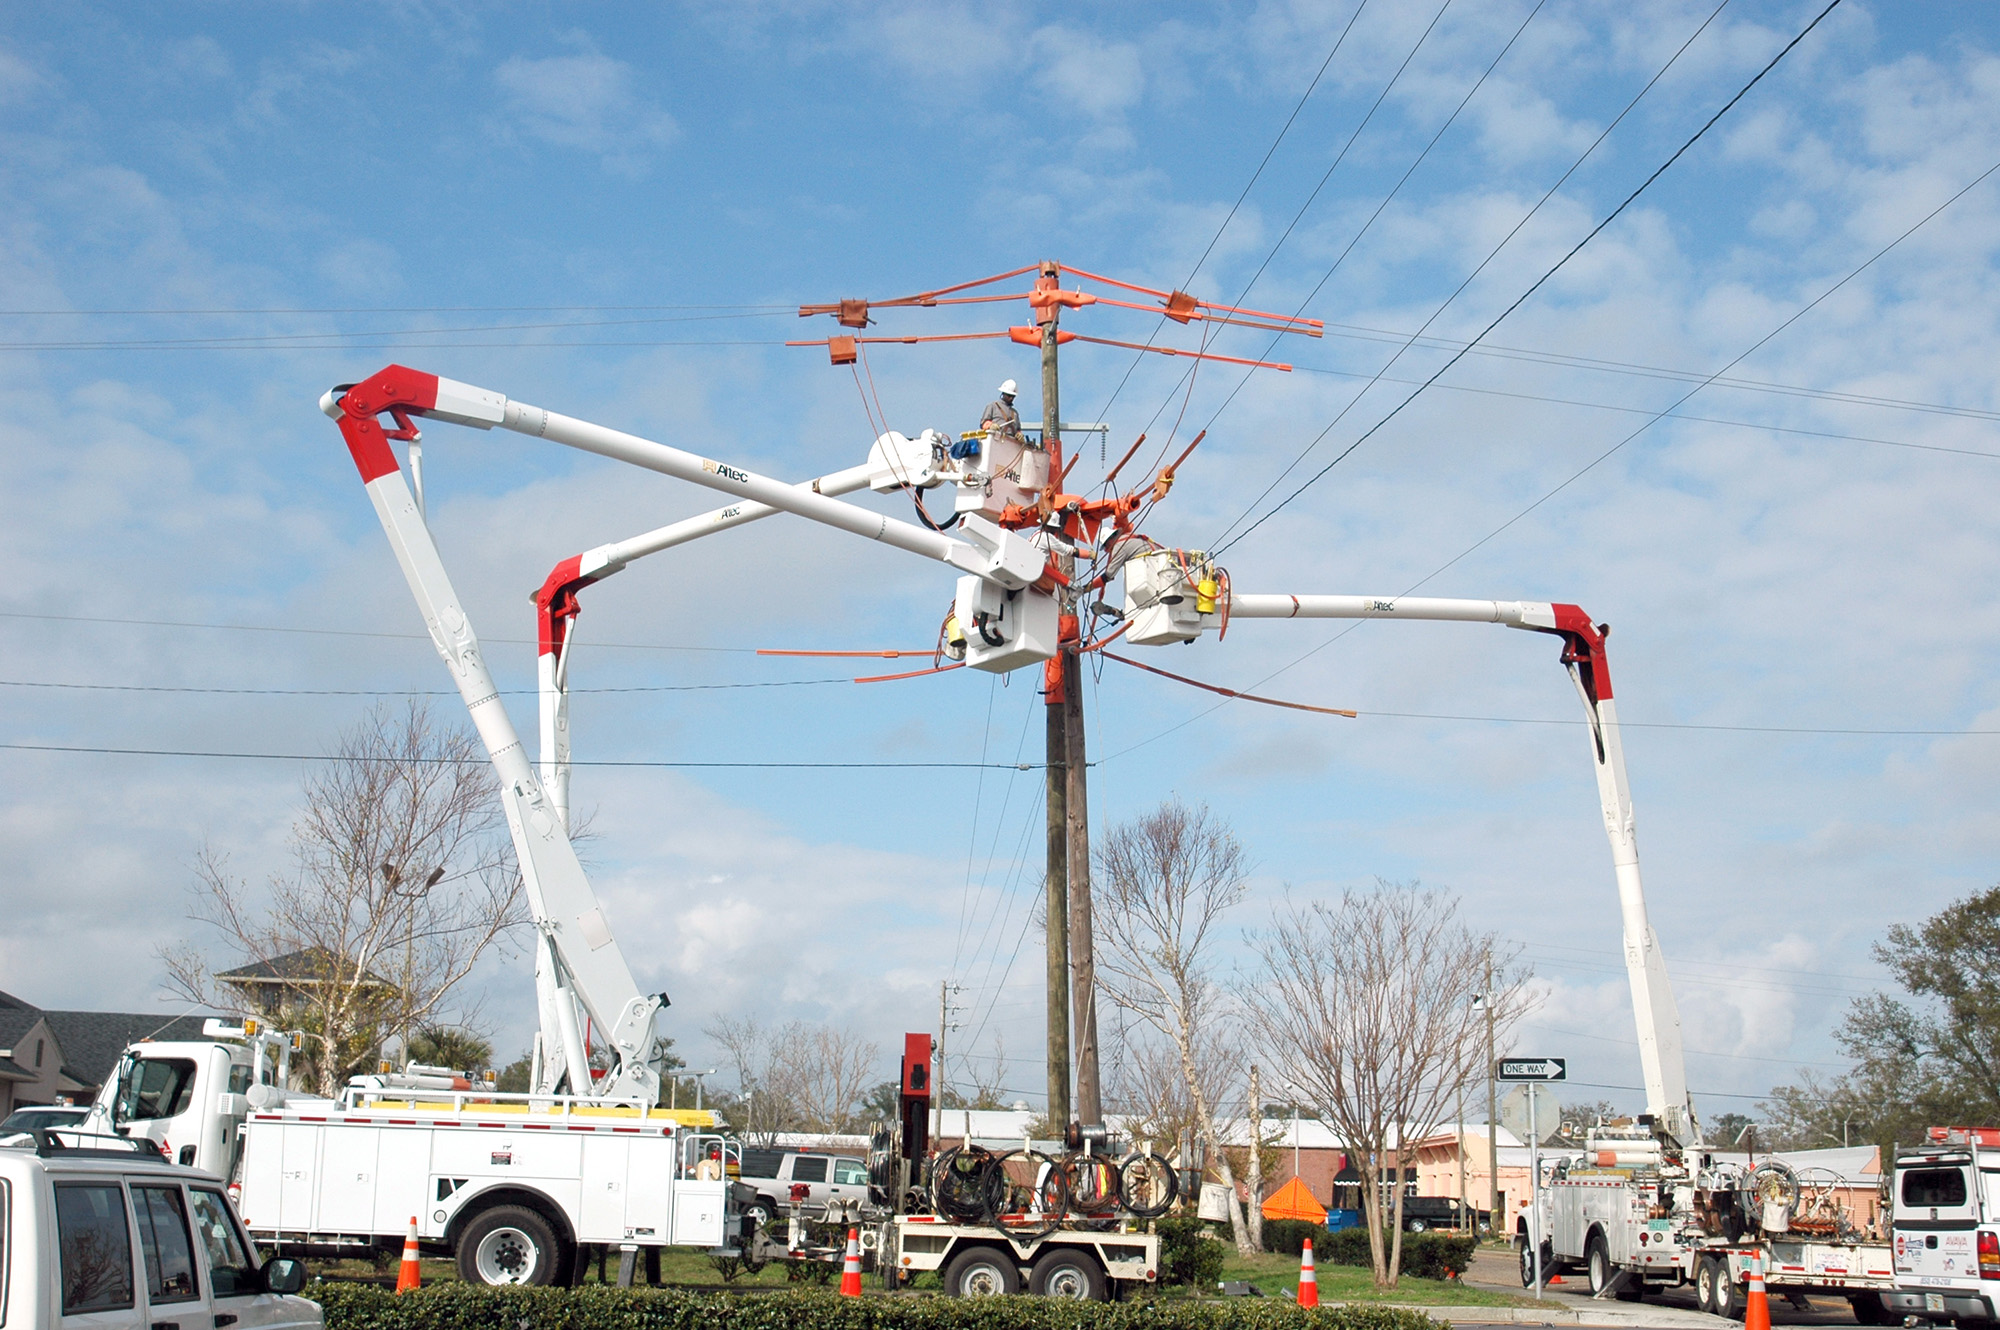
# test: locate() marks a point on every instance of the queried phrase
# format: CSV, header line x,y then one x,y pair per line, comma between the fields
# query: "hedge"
x,y
1433,1255
595,1307
1188,1253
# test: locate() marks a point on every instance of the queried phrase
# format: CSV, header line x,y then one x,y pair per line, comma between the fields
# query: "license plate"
x,y
1933,1302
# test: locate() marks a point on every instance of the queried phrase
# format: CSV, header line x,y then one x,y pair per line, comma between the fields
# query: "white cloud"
x,y
586,101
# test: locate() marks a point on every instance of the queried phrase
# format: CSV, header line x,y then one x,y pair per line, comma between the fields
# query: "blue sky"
x,y
612,211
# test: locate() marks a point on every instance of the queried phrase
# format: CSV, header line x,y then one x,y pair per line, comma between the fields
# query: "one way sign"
x,y
1534,1069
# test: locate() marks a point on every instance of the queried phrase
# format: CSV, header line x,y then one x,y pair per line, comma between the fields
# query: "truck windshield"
x,y
1934,1186
155,1088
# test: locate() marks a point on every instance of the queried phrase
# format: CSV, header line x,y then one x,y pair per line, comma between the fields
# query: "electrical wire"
x,y
405,692
445,761
1283,130
1753,348
1492,254
347,632
1522,299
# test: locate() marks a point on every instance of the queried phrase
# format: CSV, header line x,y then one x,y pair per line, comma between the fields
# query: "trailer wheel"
x,y
981,1272
1597,1257
1068,1273
509,1244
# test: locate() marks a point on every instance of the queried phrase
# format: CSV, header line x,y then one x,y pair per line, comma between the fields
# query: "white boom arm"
x,y
579,970
1653,1007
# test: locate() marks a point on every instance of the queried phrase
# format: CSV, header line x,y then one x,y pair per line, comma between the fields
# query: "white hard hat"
x,y
1007,388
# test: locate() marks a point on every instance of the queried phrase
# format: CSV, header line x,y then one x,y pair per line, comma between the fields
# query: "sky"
x,y
209,215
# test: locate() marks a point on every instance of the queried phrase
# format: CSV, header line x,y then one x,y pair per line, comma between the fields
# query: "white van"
x,y
102,1233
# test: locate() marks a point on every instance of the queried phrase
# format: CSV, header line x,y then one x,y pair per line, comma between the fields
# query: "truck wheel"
x,y
509,1244
1417,1226
764,1209
1527,1255
1705,1277
1598,1259
981,1272
1068,1273
1728,1299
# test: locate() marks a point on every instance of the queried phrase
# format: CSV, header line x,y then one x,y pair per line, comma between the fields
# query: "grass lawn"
x,y
1278,1276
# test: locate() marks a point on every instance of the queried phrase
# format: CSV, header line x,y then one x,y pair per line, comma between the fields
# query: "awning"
x,y
1293,1201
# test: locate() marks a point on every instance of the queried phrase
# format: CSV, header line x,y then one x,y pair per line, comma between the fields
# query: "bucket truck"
x,y
1642,1207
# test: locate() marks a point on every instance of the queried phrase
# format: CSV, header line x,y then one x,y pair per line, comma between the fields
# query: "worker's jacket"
x,y
1000,418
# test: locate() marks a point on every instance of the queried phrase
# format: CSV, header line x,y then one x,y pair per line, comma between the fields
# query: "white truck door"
x,y
649,1188
98,1289
1937,1221
348,1178
402,1172
298,1163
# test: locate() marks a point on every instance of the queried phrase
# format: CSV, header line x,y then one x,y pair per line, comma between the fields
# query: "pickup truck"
x,y
102,1232
826,1177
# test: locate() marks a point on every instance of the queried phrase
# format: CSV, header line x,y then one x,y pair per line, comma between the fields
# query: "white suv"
x,y
101,1233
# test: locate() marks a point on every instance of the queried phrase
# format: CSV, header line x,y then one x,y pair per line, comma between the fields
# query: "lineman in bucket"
x,y
1000,417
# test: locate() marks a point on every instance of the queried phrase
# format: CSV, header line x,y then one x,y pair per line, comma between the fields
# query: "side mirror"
x,y
282,1274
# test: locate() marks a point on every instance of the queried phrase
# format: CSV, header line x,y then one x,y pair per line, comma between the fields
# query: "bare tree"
x,y
1367,1007
402,877
823,1072
1165,880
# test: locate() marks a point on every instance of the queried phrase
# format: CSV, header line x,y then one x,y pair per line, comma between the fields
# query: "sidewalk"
x,y
1570,1303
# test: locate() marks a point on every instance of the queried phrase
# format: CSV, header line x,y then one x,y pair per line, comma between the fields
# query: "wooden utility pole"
x,y
1058,768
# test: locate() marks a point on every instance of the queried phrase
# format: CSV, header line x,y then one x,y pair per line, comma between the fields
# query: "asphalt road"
x,y
1671,1310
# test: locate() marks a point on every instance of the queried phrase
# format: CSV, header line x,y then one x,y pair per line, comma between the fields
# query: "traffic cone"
x,y
850,1270
1308,1281
1756,1305
410,1275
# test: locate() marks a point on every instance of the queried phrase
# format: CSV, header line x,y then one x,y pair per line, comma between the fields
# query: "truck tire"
x,y
1068,1272
510,1244
765,1209
981,1272
1597,1262
1707,1274
1527,1255
1728,1300
1417,1226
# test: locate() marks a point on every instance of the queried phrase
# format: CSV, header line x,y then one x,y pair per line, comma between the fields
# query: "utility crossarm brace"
x,y
1653,1007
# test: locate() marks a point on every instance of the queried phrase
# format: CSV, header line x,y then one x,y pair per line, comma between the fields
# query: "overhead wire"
x,y
472,761
1751,350
1535,286
1216,239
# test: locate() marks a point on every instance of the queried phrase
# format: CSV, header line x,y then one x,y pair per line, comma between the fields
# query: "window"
x,y
850,1172
808,1170
156,1088
230,1273
163,1237
239,1078
96,1247
38,1052
1934,1186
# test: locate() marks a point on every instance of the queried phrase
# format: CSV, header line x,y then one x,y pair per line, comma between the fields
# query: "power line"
x,y
1283,130
346,632
1539,281
1753,348
445,761
379,309
406,692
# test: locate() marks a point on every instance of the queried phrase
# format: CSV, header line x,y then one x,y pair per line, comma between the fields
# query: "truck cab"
x,y
1946,1227
190,1098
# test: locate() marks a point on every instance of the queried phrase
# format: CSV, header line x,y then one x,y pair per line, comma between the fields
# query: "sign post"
x,y
1534,1071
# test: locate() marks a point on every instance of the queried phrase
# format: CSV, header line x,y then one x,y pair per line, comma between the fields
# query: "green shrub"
x,y
1188,1255
466,1307
1431,1255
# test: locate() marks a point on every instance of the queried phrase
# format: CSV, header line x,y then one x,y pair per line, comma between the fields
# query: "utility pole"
x,y
1056,679
945,989
1492,1109
1256,1162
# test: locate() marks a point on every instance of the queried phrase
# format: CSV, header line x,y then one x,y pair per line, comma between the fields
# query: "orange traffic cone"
x,y
410,1275
850,1270
1756,1306
1308,1281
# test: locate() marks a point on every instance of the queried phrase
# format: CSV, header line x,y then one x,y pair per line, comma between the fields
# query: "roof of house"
x,y
92,1041
11,1070
8,1001
15,1022
310,965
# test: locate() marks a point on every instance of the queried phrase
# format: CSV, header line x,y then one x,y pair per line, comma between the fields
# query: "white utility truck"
x,y
1946,1228
517,1186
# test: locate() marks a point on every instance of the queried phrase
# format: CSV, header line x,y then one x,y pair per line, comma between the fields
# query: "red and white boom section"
x,y
1176,595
